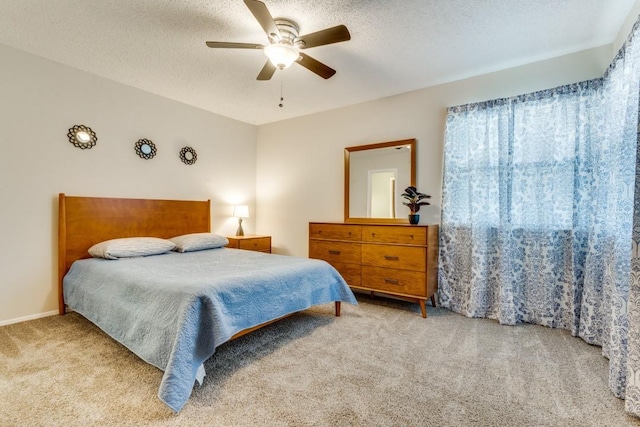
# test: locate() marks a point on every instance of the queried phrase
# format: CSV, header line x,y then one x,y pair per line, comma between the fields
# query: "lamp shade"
x,y
241,211
281,55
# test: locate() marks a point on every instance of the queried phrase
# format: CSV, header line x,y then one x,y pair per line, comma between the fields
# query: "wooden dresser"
x,y
393,259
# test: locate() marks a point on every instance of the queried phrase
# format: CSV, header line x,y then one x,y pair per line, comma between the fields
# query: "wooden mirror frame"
x,y
347,154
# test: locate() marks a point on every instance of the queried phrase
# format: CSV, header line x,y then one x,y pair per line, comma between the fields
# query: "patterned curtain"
x,y
623,122
538,213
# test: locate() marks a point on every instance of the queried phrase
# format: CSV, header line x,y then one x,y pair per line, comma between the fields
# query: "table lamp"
x,y
240,211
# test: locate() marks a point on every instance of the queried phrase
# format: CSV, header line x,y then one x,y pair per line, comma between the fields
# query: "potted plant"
x,y
414,201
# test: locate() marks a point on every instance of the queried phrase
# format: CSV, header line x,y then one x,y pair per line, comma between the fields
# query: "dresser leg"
x,y
423,308
433,300
338,304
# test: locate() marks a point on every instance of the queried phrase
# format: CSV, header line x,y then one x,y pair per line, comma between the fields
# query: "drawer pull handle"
x,y
391,258
332,252
391,281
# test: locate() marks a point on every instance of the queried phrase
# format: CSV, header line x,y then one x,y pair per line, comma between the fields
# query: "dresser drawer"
x,y
394,281
390,256
335,231
350,272
255,244
335,251
403,235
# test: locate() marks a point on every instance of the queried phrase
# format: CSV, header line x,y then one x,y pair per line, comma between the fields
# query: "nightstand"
x,y
250,242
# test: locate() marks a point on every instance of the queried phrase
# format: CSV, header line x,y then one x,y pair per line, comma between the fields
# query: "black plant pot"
x,y
414,218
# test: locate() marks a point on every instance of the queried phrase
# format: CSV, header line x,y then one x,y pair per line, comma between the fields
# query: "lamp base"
x,y
240,231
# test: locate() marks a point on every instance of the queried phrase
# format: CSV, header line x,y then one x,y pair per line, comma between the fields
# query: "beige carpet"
x,y
380,364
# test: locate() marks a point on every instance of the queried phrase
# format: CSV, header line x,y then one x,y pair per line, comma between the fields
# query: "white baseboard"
x,y
25,318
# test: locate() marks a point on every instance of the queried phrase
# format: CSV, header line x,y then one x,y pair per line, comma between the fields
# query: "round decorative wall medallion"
x,y
146,149
188,155
82,136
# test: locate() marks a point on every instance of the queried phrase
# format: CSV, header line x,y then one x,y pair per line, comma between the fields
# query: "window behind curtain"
x,y
520,162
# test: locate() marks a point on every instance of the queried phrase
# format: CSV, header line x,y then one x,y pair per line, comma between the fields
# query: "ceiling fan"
x,y
285,44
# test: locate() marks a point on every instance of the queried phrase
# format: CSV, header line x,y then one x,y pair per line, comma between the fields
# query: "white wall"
x,y
300,161
39,101
626,28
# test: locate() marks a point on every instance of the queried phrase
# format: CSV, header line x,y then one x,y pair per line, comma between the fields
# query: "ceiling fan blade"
x,y
320,38
261,13
234,45
267,71
316,66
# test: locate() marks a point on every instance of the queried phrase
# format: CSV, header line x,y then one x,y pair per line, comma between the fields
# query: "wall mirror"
x,y
188,155
375,176
82,136
145,149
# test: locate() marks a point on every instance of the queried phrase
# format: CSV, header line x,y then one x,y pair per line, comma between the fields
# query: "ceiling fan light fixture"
x,y
286,44
281,55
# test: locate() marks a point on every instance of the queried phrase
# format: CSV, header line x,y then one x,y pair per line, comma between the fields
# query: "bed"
x,y
173,310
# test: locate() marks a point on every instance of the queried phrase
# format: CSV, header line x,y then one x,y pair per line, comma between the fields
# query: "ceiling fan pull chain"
x,y
281,98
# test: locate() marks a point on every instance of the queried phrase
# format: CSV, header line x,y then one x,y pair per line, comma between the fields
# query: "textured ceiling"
x,y
395,46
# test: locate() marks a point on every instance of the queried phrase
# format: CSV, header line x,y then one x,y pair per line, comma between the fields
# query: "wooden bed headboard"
x,y
85,221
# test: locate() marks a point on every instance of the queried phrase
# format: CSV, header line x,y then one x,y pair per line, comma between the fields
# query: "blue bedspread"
x,y
173,310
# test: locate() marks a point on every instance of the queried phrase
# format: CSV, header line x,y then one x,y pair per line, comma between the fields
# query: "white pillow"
x,y
198,242
130,247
